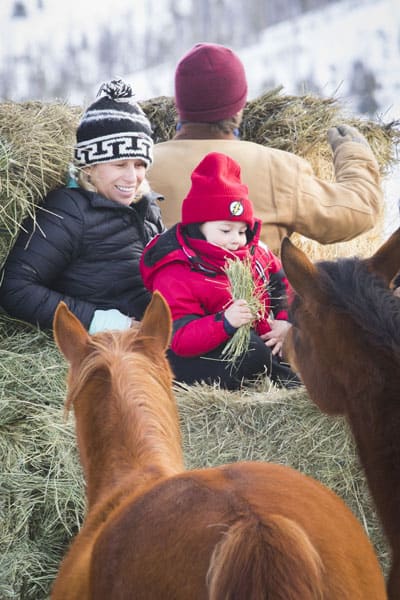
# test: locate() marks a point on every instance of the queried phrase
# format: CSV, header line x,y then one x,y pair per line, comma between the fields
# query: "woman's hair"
x,y
84,181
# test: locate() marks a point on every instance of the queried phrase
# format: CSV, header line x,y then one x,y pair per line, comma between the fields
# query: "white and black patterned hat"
x,y
114,127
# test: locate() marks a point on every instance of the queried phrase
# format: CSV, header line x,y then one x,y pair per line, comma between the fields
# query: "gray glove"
x,y
344,133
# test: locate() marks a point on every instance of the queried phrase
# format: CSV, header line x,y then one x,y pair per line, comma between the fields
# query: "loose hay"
x,y
36,141
41,485
242,287
41,491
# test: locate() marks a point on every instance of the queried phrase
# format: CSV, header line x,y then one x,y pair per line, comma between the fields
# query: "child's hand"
x,y
238,313
396,292
274,338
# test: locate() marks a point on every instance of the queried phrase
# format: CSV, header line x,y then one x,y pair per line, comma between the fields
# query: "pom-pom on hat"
x,y
114,127
210,84
217,193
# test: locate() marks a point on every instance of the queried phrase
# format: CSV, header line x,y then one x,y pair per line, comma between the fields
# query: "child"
x,y
186,264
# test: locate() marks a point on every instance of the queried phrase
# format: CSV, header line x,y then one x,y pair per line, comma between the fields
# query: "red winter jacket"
x,y
189,274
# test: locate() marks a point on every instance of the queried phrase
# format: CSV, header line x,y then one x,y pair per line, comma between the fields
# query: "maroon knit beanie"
x,y
210,84
217,193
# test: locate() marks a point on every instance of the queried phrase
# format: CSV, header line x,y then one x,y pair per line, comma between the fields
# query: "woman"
x,y
84,245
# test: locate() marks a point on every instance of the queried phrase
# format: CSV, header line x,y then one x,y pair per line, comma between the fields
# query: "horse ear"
x,y
70,335
157,321
300,271
386,260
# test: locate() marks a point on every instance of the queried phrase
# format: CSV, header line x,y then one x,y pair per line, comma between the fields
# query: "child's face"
x,y
230,235
118,180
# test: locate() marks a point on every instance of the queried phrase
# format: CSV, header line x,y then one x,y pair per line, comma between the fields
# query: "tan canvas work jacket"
x,y
286,194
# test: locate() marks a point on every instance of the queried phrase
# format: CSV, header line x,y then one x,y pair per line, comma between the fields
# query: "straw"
x,y
242,287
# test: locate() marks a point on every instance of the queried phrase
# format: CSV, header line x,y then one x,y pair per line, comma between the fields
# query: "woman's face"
x,y
118,180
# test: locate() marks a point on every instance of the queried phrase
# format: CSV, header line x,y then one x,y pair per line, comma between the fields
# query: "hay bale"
x,y
41,487
295,124
42,490
36,141
163,116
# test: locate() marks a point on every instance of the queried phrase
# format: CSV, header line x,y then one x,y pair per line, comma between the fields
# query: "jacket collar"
x,y
207,257
201,131
99,201
174,245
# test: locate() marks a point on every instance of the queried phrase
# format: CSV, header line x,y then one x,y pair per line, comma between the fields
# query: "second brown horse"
x,y
345,342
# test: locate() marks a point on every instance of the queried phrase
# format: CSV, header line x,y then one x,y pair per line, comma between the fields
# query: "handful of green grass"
x,y
243,286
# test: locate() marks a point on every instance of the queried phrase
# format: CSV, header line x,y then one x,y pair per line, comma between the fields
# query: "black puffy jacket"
x,y
83,249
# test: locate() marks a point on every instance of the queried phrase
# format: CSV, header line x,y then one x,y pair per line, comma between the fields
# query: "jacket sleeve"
x,y
44,248
330,212
194,331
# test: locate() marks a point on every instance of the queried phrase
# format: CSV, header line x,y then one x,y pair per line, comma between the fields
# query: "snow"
x,y
322,47
324,51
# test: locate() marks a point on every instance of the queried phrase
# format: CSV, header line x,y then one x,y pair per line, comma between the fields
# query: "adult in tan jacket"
x,y
210,93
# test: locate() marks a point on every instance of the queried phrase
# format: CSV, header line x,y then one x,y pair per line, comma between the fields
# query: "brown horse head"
x,y
119,384
342,313
345,342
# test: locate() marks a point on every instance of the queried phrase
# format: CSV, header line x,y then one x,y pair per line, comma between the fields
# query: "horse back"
x,y
252,530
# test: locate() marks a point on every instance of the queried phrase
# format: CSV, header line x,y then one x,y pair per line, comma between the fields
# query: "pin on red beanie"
x,y
210,84
217,193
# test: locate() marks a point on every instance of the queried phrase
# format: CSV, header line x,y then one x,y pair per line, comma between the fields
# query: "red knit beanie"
x,y
217,193
210,84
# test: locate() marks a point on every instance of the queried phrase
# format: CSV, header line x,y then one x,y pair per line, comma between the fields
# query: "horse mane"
x,y
141,389
109,352
365,296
